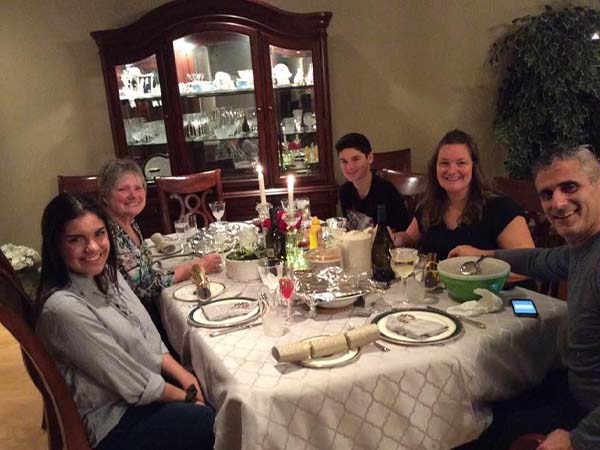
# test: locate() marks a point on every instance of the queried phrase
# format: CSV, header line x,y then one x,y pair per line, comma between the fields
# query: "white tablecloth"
x,y
430,398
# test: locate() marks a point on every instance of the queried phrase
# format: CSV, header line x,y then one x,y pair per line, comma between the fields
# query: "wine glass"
x,y
403,264
287,287
337,227
270,272
218,209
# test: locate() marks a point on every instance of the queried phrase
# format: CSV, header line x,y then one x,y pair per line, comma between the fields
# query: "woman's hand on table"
x,y
212,263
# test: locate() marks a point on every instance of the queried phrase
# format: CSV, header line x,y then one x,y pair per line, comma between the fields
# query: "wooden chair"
x,y
191,192
527,442
396,160
544,235
87,185
64,426
410,185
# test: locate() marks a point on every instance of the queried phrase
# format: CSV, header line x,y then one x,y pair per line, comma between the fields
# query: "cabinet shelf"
x,y
290,87
216,93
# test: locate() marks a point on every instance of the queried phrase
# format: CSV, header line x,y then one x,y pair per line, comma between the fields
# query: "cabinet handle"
x,y
270,108
258,108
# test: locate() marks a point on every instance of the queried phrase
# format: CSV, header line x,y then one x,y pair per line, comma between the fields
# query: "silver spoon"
x,y
471,267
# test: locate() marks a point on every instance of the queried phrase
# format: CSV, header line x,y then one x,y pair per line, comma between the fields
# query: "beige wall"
x,y
402,71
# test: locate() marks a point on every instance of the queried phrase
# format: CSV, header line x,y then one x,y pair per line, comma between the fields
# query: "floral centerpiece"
x,y
21,257
25,261
241,263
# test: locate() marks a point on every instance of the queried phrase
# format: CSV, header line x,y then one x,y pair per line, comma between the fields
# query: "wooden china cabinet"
x,y
196,85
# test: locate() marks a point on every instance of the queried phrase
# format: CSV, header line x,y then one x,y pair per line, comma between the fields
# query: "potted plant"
x,y
549,93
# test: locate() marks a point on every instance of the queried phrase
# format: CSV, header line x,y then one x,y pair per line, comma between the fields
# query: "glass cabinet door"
x,y
218,104
293,85
142,113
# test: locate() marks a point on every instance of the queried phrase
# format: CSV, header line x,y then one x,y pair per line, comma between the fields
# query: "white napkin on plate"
x,y
489,302
415,328
220,311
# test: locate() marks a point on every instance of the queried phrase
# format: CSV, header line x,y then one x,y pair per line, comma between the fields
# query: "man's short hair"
x,y
582,153
354,140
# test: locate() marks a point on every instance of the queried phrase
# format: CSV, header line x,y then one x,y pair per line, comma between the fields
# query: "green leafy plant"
x,y
550,89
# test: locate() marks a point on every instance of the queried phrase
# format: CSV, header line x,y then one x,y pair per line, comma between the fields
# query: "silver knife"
x,y
232,329
463,318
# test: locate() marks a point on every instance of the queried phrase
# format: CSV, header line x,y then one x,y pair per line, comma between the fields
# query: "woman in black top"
x,y
459,208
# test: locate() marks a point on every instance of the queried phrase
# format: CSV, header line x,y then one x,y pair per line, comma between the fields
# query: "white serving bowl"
x,y
242,270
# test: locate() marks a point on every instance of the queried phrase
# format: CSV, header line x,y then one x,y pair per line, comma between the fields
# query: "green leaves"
x,y
550,91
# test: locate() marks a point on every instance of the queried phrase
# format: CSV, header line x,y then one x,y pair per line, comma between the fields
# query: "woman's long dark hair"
x,y
435,202
61,210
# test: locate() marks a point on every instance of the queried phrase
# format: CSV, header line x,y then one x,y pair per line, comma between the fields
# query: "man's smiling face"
x,y
570,199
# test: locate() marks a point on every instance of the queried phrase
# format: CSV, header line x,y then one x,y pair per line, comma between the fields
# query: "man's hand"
x,y
557,440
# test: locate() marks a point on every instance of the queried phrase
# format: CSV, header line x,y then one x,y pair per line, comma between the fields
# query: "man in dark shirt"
x,y
364,190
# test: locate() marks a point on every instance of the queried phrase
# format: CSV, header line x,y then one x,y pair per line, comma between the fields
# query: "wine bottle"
x,y
275,239
380,252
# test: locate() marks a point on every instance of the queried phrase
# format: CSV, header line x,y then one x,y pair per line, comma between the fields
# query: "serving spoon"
x,y
471,267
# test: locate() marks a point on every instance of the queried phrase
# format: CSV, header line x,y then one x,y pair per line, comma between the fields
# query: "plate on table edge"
x,y
455,327
184,257
187,293
335,360
340,302
196,317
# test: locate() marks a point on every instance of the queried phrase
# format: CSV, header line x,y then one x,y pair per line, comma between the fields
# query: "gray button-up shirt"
x,y
107,349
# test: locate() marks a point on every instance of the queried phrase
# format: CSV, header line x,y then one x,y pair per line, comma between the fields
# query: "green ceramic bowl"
x,y
491,276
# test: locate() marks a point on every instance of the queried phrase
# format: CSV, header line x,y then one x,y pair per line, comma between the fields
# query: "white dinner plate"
x,y
157,166
168,264
188,293
335,360
453,331
197,318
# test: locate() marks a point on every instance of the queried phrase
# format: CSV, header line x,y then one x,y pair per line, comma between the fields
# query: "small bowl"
x,y
492,275
242,270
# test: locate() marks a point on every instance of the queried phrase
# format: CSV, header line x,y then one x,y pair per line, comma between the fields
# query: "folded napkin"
x,y
489,302
221,311
162,244
326,345
415,328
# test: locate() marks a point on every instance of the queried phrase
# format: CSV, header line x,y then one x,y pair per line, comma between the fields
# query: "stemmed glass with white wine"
x,y
403,264
218,209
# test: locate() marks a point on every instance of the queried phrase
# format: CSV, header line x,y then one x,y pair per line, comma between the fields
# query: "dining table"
x,y
429,397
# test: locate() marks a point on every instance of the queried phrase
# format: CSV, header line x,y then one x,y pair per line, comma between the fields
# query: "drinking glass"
x,y
403,264
181,229
272,317
192,229
287,287
218,209
337,227
270,272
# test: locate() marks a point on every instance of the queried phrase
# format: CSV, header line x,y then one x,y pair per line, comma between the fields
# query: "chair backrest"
x,y
411,186
75,184
527,442
64,425
191,192
396,160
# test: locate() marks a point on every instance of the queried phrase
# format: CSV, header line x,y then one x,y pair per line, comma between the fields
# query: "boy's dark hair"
x,y
354,140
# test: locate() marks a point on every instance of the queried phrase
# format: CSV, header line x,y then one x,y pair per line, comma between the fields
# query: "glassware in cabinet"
x,y
216,91
294,93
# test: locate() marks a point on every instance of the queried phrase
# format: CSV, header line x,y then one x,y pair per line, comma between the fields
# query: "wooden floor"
x,y
21,410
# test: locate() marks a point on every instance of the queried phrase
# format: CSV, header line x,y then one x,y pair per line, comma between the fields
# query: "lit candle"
x,y
261,184
290,183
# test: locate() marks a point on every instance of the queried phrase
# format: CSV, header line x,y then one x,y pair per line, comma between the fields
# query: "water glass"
x,y
272,318
192,228
181,229
415,291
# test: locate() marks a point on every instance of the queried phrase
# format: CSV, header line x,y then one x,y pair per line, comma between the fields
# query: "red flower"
x,y
281,223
